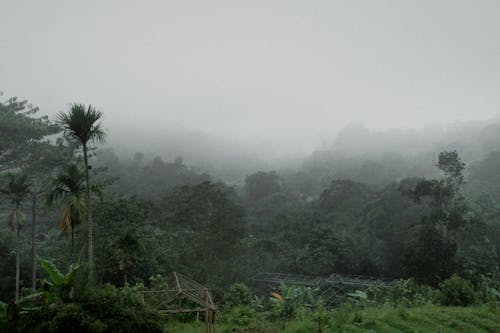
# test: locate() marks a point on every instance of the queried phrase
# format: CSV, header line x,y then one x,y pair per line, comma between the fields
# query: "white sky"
x,y
288,72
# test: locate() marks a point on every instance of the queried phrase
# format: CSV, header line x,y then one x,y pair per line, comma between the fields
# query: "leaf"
x,y
495,292
277,297
56,277
65,222
71,276
31,297
21,218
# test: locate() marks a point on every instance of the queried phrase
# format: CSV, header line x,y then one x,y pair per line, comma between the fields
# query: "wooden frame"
x,y
184,288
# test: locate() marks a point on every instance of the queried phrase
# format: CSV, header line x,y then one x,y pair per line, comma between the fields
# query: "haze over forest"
x,y
258,84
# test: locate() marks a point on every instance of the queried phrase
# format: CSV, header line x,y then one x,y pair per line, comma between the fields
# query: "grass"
x,y
423,319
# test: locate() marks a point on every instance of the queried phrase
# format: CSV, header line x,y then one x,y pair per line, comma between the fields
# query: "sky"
x,y
278,75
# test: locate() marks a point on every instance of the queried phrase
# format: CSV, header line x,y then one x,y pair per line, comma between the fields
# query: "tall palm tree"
x,y
83,123
69,187
16,190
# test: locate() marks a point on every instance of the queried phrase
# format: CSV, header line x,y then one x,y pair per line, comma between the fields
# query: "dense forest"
x,y
427,219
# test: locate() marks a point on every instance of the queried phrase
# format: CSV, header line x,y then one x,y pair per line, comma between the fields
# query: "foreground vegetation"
x,y
422,319
70,303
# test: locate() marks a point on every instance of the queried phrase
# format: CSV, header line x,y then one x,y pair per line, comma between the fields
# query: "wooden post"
x,y
206,322
210,312
207,329
213,321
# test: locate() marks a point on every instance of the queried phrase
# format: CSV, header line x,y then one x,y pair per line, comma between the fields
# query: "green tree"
x,y
127,251
20,131
69,188
325,253
430,258
128,244
207,229
45,158
23,143
452,235
83,123
345,197
262,184
16,189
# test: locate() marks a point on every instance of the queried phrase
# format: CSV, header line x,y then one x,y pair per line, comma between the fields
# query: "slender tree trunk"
x,y
72,245
89,210
33,242
18,252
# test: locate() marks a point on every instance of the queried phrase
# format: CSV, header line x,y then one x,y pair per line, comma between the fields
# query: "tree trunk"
x,y
18,252
33,242
89,210
72,245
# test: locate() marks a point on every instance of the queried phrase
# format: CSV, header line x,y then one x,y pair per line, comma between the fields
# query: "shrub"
x,y
237,295
120,310
98,310
487,290
403,292
240,317
456,291
343,315
73,318
321,318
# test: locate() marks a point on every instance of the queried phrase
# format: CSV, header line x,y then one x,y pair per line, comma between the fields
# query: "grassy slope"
x,y
425,319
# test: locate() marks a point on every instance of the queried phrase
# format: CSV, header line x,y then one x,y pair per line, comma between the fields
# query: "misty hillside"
x,y
375,158
379,157
249,166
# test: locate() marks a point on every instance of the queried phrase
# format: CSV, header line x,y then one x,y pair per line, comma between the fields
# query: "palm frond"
x,y
69,183
83,123
69,187
65,222
17,187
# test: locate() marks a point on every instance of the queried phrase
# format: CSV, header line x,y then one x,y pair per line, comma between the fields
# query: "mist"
x,y
265,80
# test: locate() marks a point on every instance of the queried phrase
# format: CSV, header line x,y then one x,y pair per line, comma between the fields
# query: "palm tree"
x,y
69,187
83,123
16,190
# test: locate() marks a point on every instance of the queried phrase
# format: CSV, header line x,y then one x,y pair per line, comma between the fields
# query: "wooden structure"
x,y
181,290
332,289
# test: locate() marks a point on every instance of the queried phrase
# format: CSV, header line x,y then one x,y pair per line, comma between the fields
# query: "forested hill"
x,y
311,222
374,158
380,157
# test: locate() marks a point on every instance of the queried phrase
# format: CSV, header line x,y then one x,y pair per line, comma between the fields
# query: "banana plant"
x,y
60,284
292,300
61,290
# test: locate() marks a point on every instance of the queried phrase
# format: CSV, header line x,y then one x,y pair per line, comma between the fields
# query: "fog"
x,y
251,82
